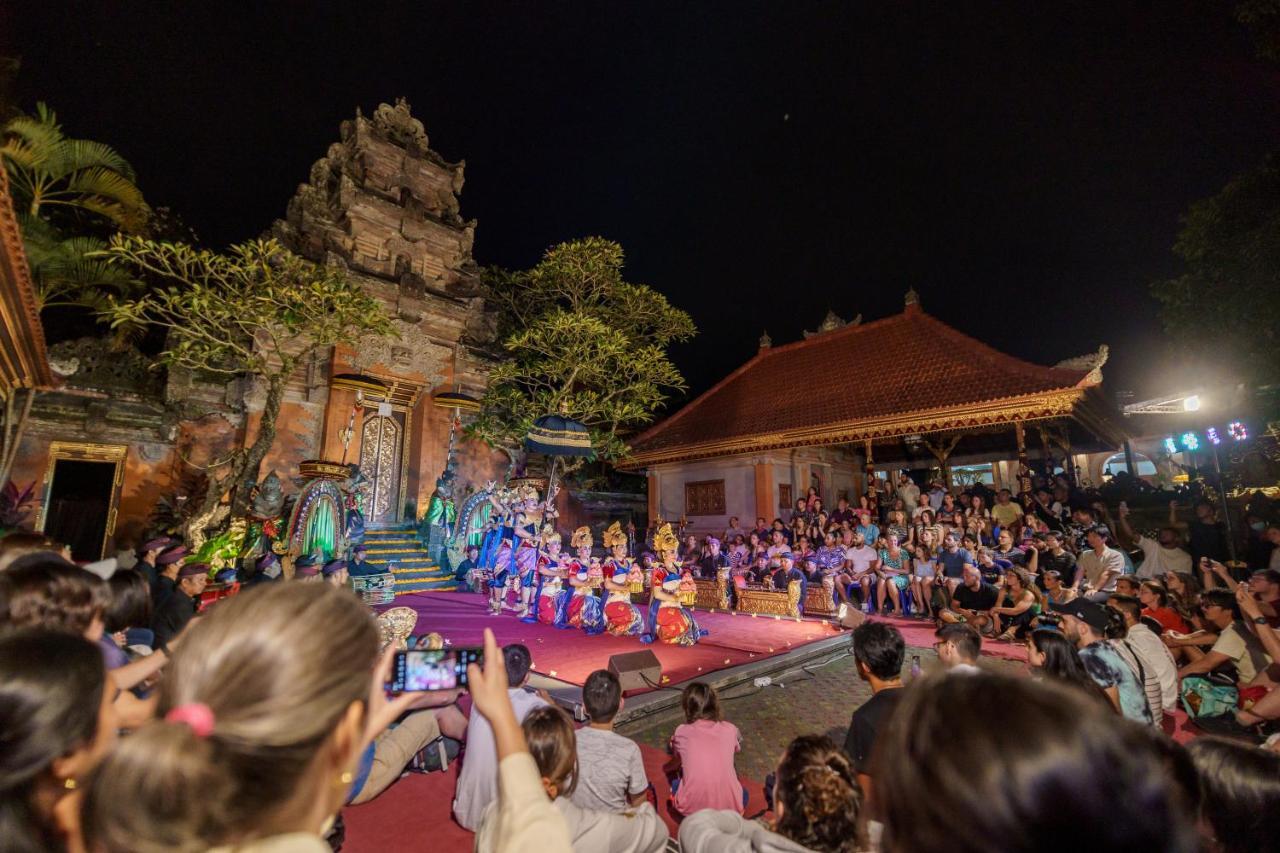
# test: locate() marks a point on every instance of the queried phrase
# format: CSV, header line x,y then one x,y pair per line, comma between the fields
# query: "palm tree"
x,y
51,173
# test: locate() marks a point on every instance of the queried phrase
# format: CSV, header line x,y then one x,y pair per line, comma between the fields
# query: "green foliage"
x,y
580,340
1226,307
70,194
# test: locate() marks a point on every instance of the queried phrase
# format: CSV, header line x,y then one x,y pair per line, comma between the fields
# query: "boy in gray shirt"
x,y
611,773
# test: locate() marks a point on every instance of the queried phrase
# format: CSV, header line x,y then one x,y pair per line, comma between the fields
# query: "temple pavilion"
x,y
919,395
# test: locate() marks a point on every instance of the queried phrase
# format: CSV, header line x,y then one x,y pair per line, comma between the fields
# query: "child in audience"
x,y
703,753
611,773
817,806
549,733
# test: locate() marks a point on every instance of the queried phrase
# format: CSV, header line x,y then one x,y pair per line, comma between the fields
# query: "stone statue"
x,y
268,502
441,514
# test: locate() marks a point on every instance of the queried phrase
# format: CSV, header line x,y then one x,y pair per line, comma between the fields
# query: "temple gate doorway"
x,y
383,460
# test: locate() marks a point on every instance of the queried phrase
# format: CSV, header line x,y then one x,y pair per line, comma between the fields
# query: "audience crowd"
x,y
133,720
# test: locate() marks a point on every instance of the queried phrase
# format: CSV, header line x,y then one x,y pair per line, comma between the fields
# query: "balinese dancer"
x,y
676,625
517,559
615,542
553,599
622,618
499,527
584,608
666,544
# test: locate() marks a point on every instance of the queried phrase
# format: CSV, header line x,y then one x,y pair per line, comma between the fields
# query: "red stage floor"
x,y
570,655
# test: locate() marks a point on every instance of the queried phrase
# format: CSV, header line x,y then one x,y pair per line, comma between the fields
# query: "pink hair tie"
x,y
197,715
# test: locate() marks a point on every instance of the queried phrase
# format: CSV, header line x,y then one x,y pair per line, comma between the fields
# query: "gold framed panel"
x,y
704,497
78,451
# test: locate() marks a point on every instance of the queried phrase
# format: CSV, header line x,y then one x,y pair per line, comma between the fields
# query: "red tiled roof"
x,y
910,362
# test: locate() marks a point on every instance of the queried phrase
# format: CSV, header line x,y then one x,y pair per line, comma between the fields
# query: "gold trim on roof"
x,y
1005,411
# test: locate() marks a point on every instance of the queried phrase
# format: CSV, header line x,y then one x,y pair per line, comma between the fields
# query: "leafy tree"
x,y
1226,306
70,194
582,341
256,311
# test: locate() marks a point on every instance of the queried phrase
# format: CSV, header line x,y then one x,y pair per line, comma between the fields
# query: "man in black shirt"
x,y
180,607
713,560
971,601
1048,555
878,649
168,564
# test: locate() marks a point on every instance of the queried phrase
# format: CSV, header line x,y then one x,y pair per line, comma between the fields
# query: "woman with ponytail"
x,y
817,804
56,722
265,708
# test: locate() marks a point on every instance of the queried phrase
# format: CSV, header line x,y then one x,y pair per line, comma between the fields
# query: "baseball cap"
x,y
1091,614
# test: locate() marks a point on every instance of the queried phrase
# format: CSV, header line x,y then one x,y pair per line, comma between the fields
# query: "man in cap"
x,y
168,564
179,606
147,555
712,561
306,568
334,572
357,567
266,569
1085,623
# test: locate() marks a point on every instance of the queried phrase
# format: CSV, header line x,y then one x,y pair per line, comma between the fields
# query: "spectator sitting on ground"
x,y
1236,644
57,721
1048,554
1098,566
1051,655
1240,802
1054,590
1019,609
128,612
972,601
816,804
878,650
611,773
462,574
958,771
1127,585
1155,605
958,646
1086,623
952,559
1005,512
478,780
1266,707
1154,656
703,750
549,733
1160,555
1263,585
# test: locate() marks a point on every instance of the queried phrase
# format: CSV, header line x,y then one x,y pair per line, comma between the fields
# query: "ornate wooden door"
x,y
382,461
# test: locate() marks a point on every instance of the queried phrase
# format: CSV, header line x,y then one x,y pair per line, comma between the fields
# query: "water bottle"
x,y
915,667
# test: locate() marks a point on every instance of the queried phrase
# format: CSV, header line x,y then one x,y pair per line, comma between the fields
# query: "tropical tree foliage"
x,y
256,311
582,341
1225,307
70,195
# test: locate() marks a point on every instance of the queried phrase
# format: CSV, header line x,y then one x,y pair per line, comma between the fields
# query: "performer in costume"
x,y
666,544
582,543
675,624
498,527
517,557
584,609
622,618
553,600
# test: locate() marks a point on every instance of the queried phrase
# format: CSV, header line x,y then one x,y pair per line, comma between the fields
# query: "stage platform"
x,y
569,656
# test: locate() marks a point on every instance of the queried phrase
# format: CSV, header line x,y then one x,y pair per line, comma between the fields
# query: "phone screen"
x,y
433,669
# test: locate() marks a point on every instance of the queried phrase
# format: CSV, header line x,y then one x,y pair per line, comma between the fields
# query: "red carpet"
x,y
571,656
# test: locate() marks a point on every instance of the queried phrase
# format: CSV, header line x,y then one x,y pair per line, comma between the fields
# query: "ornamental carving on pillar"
x,y
410,350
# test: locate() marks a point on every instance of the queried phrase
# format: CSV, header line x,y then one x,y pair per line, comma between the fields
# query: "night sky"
x,y
1023,166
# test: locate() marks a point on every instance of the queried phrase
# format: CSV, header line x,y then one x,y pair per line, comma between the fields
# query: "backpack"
x,y
1207,697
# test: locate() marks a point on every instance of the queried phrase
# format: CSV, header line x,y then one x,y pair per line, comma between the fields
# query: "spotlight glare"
x,y
1190,441
1212,434
1237,430
1191,404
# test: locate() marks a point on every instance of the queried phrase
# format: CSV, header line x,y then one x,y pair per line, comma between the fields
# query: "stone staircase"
x,y
400,548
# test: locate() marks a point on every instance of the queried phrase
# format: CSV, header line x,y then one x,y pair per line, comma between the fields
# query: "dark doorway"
x,y
79,503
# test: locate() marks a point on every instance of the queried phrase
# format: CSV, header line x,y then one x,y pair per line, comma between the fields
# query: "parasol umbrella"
x,y
554,436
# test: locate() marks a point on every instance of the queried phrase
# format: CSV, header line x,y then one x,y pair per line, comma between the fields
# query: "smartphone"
x,y
433,669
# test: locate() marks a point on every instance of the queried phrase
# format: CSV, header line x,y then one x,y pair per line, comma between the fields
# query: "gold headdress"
x,y
614,535
582,538
528,492
549,535
664,540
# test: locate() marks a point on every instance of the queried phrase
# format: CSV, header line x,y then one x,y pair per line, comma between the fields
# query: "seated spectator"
x,y
878,650
703,750
179,607
1005,512
478,779
1268,706
1052,655
1236,644
1127,585
1161,555
952,558
894,576
57,721
1240,795
1098,566
1057,763
1263,585
264,711
611,775
549,733
1054,590
923,576
1155,604
1007,552
128,612
20,543
1086,624
958,646
1156,661
972,601
816,804
1048,554
1019,606
464,569
861,562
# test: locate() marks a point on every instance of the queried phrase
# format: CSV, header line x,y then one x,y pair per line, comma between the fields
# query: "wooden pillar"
x,y
655,498
1024,469
868,469
765,499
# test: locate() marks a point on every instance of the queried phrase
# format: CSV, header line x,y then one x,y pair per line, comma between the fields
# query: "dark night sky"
x,y
1022,165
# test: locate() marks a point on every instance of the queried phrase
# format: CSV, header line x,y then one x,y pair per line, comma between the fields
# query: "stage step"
x,y
400,548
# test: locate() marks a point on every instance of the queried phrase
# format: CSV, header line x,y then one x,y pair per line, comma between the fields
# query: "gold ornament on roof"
x,y
582,538
614,535
664,540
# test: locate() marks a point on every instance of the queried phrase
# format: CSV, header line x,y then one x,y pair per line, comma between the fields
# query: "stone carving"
x,y
269,501
1091,362
400,126
832,322
411,349
95,365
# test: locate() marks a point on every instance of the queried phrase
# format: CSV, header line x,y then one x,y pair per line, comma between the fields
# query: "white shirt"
x,y
1155,657
860,558
1157,559
1093,566
640,830
478,781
